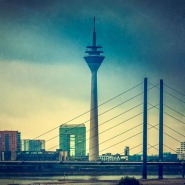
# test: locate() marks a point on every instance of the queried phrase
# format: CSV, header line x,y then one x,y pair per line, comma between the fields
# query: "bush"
x,y
129,181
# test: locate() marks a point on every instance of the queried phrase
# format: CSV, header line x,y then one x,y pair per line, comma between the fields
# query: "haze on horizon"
x,y
45,81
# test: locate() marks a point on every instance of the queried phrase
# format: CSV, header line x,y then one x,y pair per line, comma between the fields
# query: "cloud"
x,y
43,76
36,86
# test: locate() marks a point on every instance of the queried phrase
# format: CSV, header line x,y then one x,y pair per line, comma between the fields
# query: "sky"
x,y
45,81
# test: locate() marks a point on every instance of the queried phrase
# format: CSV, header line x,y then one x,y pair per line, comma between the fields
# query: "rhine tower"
x,y
94,60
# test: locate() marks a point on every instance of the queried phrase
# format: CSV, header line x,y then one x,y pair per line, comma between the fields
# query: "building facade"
x,y
109,157
42,155
169,157
72,138
181,151
32,145
10,141
126,151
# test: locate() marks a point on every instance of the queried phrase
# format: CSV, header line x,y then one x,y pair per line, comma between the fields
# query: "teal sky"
x,y
45,81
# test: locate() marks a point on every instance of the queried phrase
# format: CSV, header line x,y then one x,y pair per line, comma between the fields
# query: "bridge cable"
x,y
148,148
174,90
170,148
174,130
92,109
174,110
123,140
168,93
169,114
118,123
106,112
101,123
174,96
167,134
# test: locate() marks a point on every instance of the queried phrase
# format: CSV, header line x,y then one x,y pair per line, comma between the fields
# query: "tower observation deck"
x,y
94,60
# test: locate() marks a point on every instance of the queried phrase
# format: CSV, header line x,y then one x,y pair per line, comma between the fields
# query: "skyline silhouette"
x,y
45,81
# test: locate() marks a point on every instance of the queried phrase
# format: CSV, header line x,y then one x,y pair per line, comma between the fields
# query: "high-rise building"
x,y
10,141
126,151
72,138
181,151
94,60
32,145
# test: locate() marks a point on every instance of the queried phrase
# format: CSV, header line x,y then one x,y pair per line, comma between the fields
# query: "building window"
x,y
72,145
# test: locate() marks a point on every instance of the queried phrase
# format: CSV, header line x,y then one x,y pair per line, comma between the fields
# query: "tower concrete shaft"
x,y
94,139
94,60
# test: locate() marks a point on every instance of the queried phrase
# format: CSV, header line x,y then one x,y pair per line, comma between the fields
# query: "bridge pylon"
x,y
160,170
144,164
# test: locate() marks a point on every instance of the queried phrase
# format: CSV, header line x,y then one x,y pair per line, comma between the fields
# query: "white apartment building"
x,y
181,151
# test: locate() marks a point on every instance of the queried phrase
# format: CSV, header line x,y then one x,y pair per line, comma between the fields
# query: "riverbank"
x,y
163,182
114,182
93,182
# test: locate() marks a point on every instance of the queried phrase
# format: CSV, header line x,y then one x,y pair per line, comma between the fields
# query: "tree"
x,y
129,181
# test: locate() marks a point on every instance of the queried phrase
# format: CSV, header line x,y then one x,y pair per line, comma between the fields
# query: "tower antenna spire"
x,y
94,33
94,60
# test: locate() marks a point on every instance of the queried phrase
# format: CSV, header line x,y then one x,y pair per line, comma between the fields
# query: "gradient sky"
x,y
45,81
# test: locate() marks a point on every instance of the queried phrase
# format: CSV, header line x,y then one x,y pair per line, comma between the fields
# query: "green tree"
x,y
128,181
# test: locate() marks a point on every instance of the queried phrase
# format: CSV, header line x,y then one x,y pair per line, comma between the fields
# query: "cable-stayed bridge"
x,y
136,117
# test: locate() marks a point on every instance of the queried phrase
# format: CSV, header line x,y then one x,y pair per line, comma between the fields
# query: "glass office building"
x,y
72,138
33,145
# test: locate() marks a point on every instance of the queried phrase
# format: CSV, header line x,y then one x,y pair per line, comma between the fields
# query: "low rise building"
x,y
32,145
109,157
135,158
181,151
42,155
169,157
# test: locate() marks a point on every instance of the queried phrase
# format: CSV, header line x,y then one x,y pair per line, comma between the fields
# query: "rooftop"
x,y
71,125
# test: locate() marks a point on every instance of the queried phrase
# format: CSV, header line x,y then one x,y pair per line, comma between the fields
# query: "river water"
x,y
30,180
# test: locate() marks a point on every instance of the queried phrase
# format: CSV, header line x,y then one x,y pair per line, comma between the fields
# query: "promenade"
x,y
88,182
113,182
163,181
